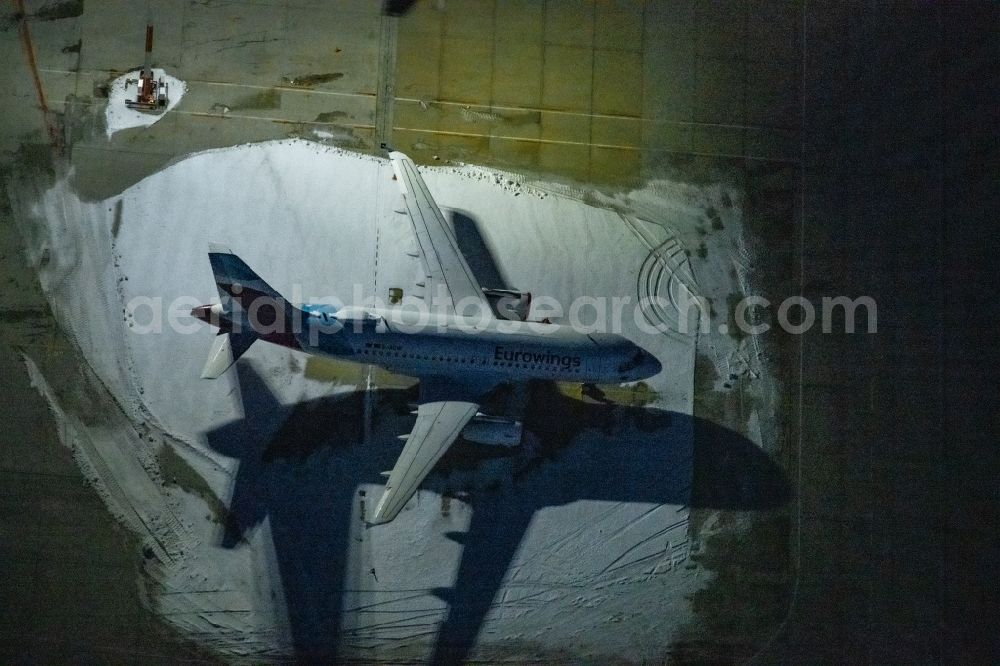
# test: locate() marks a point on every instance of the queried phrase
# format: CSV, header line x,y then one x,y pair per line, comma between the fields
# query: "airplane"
x,y
458,359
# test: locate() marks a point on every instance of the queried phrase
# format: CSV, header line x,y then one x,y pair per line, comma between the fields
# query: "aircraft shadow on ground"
x,y
301,467
476,250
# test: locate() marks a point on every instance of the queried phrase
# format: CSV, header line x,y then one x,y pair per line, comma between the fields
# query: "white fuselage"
x,y
443,345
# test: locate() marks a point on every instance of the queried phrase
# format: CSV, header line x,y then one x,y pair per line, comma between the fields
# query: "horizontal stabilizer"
x,y
226,348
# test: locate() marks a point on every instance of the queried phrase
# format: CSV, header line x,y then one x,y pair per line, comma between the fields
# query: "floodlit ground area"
x,y
748,502
259,544
244,499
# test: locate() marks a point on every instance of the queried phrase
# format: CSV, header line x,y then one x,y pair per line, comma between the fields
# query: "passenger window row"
x,y
469,361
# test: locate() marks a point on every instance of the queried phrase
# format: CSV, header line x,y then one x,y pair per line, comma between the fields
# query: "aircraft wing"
x,y
438,425
443,260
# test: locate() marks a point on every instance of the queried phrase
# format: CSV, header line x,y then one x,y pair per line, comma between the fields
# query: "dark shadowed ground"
x,y
306,481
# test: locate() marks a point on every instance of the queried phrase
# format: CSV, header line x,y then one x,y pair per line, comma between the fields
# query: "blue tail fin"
x,y
250,310
235,280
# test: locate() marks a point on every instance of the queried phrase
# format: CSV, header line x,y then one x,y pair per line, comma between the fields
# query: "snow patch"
x,y
313,221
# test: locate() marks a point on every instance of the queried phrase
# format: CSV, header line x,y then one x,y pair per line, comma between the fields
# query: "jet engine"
x,y
508,303
493,431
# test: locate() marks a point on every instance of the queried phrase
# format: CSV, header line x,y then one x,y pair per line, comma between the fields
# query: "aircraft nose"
x,y
642,365
651,366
